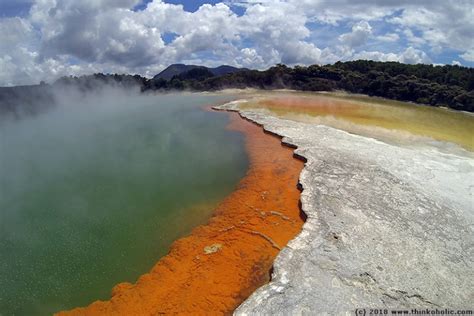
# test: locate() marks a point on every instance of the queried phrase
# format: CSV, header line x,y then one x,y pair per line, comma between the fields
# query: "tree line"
x,y
448,86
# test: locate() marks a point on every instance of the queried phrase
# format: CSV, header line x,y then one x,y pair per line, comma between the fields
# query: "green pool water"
x,y
93,193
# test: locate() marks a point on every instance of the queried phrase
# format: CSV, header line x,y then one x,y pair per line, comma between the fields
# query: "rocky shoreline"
x,y
387,226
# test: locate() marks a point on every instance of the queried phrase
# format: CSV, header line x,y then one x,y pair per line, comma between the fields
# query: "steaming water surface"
x,y
93,193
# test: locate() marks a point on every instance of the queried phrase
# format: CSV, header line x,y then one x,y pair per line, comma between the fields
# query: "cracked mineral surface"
x,y
387,226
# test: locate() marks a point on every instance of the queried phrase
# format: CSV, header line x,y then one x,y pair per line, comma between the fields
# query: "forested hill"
x,y
450,86
177,69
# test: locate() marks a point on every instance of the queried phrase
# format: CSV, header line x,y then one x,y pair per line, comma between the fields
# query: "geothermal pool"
x,y
389,223
388,120
94,192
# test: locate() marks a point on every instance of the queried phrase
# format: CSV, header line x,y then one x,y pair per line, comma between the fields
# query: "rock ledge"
x,y
387,226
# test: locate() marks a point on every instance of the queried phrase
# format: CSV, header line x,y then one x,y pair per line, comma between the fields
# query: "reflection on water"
x,y
93,194
337,111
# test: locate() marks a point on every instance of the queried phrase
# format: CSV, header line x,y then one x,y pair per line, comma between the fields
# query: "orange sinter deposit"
x,y
221,263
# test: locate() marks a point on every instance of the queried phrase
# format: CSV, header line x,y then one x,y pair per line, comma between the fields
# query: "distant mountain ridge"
x,y
179,69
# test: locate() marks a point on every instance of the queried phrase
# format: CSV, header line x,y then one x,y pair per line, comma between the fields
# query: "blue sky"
x,y
188,5
14,8
46,39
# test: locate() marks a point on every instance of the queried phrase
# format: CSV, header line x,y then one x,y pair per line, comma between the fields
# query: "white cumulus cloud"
x,y
61,37
359,35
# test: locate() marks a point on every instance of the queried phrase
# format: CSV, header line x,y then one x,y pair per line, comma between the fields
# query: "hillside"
x,y
448,86
178,69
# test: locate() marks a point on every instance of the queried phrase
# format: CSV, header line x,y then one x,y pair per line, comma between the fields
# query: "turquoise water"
x,y
94,193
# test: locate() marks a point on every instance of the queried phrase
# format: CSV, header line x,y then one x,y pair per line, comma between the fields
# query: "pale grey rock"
x,y
387,227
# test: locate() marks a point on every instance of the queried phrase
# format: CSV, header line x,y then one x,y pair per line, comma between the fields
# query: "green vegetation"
x,y
448,86
177,69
